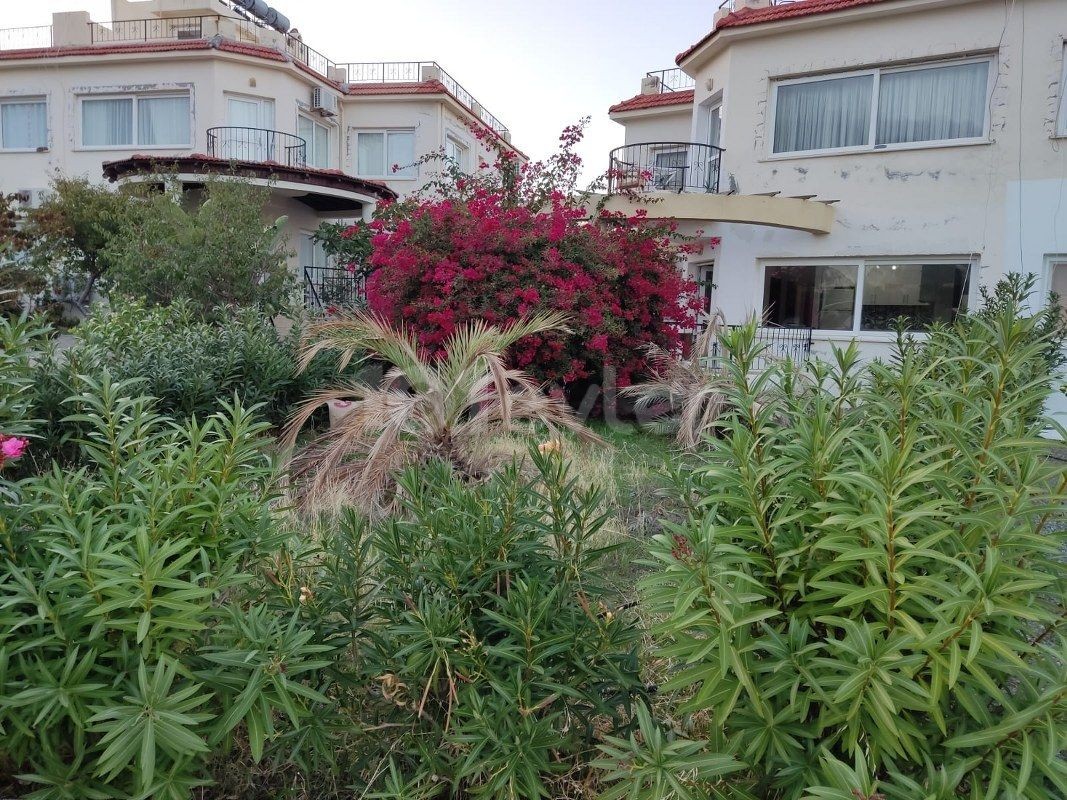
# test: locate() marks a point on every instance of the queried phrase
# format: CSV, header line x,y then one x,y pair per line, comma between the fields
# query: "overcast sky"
x,y
536,64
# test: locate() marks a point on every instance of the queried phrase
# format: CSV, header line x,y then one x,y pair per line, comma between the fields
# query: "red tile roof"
x,y
141,163
641,101
756,16
106,49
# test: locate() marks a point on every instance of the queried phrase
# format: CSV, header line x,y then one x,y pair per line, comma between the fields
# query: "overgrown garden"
x,y
830,580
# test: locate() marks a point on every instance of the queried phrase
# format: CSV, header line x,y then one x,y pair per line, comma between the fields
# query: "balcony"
x,y
665,167
671,80
328,289
257,145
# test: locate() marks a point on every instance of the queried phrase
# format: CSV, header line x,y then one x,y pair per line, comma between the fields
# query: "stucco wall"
x,y
660,126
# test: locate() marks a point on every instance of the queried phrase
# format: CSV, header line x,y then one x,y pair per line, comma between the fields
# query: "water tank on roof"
x,y
265,14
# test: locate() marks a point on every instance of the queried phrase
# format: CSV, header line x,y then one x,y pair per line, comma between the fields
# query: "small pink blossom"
x,y
12,447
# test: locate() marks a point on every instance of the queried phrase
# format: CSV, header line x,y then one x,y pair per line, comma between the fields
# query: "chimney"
x,y
650,84
70,28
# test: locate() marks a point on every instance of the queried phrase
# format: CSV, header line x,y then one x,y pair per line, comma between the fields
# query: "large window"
x,y
922,293
864,296
23,124
317,137
386,154
136,120
883,108
821,296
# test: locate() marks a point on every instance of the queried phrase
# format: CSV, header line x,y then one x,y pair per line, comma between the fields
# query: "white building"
x,y
935,130
203,86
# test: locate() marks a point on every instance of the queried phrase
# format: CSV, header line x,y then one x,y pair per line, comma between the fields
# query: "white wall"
x,y
961,201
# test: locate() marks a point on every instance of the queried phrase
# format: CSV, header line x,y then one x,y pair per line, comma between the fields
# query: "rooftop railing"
x,y
248,30
147,30
412,72
672,80
25,38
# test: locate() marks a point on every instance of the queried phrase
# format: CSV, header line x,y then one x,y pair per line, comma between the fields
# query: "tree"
x,y
445,408
211,247
67,235
513,239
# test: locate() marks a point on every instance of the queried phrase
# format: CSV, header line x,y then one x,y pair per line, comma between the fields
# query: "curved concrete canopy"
x,y
775,212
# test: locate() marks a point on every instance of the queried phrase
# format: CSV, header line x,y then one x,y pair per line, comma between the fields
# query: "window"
x,y
148,120
822,297
23,124
1061,128
872,294
882,108
705,286
924,293
377,152
456,152
317,137
668,172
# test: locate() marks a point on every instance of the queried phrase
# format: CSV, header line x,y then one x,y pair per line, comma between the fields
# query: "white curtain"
x,y
107,122
23,126
163,120
371,154
817,115
938,103
318,141
401,147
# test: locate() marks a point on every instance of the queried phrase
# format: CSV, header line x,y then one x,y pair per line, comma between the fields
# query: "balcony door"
x,y
250,122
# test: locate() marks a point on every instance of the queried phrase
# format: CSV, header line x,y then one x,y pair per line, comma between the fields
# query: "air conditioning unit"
x,y
323,102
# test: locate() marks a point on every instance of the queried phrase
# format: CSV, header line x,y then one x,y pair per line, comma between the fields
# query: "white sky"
x,y
537,64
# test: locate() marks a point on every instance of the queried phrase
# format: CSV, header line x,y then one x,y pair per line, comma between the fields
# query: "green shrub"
x,y
498,657
869,602
137,634
189,365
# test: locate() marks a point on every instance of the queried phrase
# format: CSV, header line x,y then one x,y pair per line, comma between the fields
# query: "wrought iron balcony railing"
x,y
25,38
331,289
145,30
778,344
257,144
665,167
672,80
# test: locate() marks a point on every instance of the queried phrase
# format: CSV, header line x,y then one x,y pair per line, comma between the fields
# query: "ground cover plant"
x,y
868,601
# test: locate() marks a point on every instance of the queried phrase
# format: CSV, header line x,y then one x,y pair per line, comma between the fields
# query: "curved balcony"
x,y
665,167
257,145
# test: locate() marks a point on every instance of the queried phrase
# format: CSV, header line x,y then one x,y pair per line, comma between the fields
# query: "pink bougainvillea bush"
x,y
513,239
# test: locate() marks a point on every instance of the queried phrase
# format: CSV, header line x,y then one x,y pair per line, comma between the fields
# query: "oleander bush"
x,y
137,632
501,657
868,600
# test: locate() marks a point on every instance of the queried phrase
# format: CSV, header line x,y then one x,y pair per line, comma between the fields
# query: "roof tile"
x,y
642,101
756,16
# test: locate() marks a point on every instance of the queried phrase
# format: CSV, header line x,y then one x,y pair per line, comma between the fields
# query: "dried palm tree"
x,y
443,408
693,388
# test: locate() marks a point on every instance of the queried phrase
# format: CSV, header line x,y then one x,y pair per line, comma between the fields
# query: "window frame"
x,y
390,176
1061,116
136,97
860,264
23,99
872,123
463,164
310,144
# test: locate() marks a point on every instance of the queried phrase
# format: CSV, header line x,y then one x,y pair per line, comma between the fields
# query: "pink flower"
x,y
12,447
